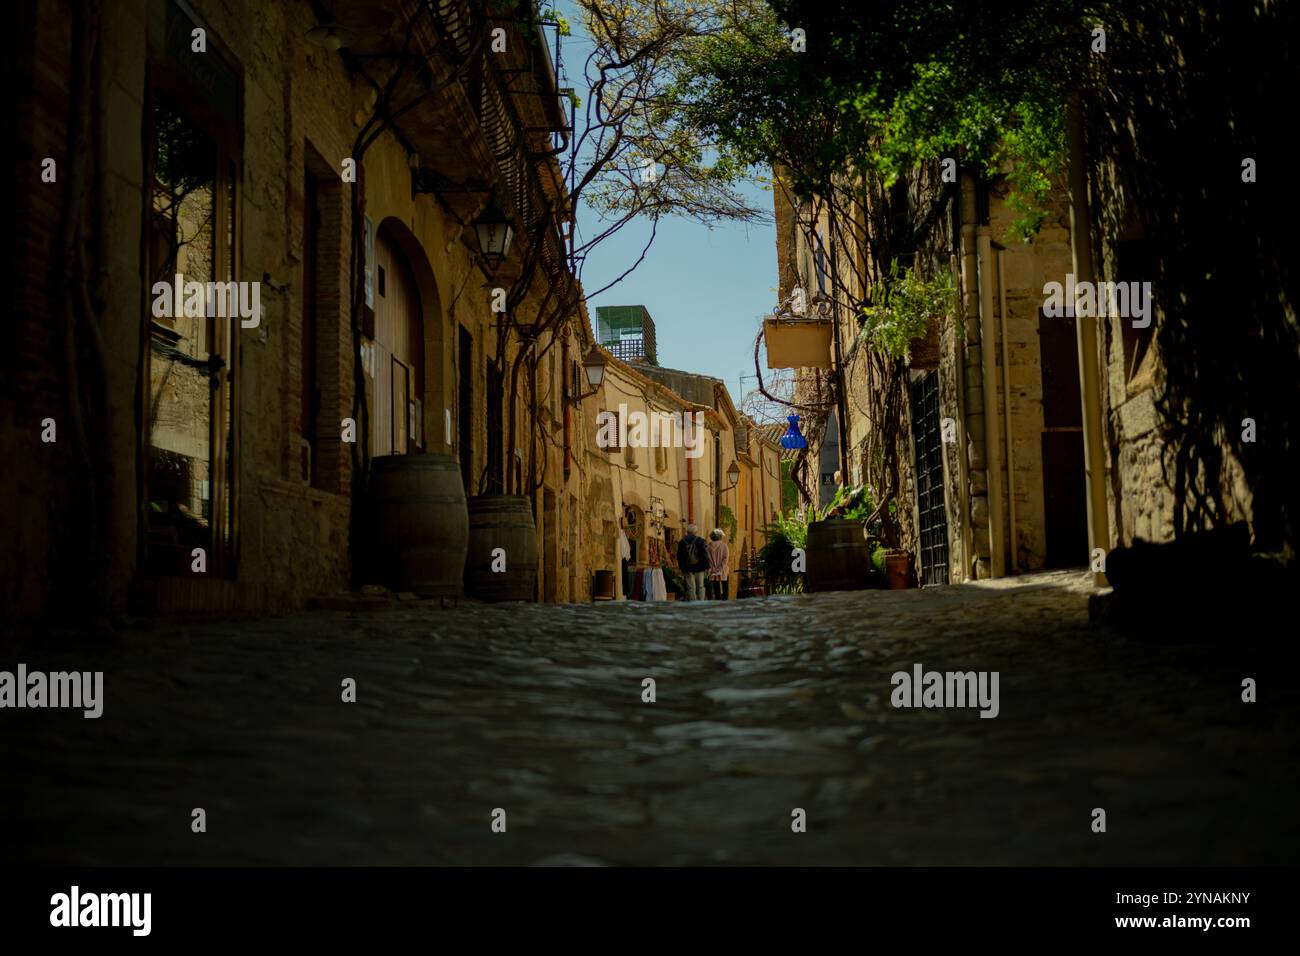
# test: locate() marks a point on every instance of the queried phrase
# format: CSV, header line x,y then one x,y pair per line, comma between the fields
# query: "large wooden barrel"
x,y
838,559
505,522
421,522
602,586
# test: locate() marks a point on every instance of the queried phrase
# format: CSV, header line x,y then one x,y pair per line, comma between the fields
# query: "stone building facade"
x,y
215,139
759,491
954,456
1001,417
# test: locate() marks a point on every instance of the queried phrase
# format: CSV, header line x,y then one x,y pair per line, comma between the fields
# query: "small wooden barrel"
x,y
602,586
505,522
838,559
421,521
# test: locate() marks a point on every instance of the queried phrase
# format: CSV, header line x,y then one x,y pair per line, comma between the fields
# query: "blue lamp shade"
x,y
793,438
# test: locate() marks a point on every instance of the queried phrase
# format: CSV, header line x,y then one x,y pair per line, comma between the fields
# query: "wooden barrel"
x,y
838,559
602,586
421,522
505,522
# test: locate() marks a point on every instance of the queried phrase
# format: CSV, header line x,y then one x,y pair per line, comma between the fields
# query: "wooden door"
x,y
1065,504
399,351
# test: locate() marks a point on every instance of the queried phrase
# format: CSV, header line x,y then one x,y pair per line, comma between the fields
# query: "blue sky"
x,y
706,288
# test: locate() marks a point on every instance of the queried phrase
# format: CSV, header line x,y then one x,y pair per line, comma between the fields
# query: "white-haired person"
x,y
719,565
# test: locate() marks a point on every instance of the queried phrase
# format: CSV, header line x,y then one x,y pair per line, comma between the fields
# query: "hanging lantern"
x,y
331,36
494,231
793,438
594,366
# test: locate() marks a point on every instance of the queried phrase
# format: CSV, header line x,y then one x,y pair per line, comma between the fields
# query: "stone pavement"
x,y
763,706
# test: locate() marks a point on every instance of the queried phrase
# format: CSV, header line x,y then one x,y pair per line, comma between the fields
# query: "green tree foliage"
x,y
727,521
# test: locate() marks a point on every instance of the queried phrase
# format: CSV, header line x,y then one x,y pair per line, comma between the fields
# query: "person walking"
x,y
693,559
719,565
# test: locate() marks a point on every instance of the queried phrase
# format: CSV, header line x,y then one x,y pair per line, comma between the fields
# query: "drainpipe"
x,y
690,473
976,556
564,401
1006,413
992,441
963,478
717,480
1089,371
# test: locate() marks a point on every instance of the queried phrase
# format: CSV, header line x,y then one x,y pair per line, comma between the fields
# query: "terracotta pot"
x,y
899,570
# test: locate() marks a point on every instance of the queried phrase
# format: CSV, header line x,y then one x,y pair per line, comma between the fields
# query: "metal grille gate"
x,y
928,439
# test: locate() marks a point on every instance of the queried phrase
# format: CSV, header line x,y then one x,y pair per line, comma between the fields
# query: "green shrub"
x,y
772,562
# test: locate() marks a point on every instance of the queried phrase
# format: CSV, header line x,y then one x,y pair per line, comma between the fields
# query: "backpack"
x,y
697,559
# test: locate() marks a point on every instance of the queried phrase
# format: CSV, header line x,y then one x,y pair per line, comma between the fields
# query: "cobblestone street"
x,y
763,706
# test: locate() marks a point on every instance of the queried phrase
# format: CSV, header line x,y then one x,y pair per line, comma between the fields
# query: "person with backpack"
x,y
693,559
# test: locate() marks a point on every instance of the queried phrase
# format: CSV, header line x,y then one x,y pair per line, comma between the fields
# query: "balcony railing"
x,y
519,182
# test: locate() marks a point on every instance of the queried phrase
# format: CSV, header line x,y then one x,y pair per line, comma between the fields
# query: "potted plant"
x,y
907,325
773,566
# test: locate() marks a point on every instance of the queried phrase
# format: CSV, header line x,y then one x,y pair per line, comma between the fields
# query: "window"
x,y
399,408
190,412
611,428
309,398
554,386
319,463
465,401
1135,262
495,430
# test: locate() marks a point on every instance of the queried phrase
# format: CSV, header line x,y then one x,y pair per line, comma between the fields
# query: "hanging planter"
x,y
908,324
923,351
797,342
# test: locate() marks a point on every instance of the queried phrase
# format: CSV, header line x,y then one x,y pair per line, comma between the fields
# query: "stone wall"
x,y
1139,495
